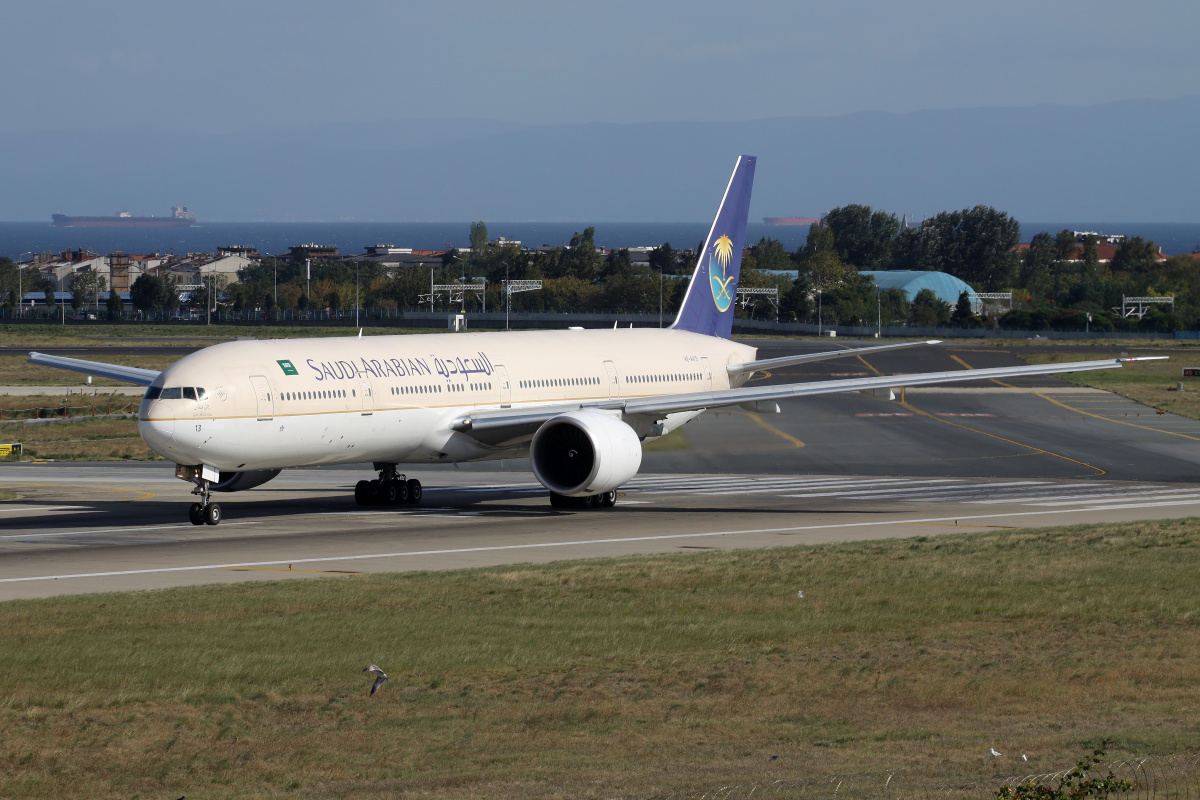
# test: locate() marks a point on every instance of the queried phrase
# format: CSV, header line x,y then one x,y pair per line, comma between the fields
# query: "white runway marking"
x,y
42,508
578,543
114,530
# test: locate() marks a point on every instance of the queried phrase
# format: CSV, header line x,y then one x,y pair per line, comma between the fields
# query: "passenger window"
x,y
174,393
153,393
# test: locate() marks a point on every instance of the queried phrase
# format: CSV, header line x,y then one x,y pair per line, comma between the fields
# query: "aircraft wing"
x,y
806,358
518,420
142,377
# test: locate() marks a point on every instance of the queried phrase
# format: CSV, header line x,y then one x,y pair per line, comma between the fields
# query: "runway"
x,y
835,468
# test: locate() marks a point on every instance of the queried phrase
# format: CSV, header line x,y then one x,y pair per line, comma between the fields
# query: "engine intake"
x,y
584,453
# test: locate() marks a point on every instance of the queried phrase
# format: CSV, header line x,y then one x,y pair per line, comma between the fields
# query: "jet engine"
x,y
239,481
583,453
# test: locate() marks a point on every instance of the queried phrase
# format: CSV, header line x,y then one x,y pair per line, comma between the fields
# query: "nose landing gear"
x,y
204,512
390,489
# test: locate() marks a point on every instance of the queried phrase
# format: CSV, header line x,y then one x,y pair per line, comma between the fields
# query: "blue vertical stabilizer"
x,y
708,305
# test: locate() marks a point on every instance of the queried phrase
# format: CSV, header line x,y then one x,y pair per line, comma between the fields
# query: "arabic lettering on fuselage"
x,y
447,367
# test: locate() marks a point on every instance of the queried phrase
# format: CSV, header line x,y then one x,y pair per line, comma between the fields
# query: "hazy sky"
x,y
226,65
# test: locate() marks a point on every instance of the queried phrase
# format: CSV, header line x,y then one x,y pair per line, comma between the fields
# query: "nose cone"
x,y
157,433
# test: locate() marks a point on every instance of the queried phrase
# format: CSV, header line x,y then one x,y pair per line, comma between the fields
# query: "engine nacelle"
x,y
239,481
583,453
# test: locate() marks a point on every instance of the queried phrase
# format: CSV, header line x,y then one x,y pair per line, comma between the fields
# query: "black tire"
x,y
362,493
609,499
195,514
560,500
414,491
387,493
401,492
212,514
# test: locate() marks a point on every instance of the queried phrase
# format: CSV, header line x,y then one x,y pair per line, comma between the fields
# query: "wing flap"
x,y
116,372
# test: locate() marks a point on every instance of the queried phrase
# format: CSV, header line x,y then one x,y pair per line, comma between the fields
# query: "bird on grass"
x,y
994,752
380,676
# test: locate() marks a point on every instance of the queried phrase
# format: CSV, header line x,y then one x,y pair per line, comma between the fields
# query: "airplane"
x,y
578,403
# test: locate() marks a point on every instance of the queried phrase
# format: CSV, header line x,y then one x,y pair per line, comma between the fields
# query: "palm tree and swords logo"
x,y
720,284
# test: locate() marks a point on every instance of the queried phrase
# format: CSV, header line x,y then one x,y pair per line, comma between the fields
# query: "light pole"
x,y
21,286
357,272
660,295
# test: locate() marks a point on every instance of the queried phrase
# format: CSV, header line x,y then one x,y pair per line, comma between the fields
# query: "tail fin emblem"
x,y
722,253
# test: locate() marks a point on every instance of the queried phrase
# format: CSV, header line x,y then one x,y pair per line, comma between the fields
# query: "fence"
x,y
63,412
493,320
1156,777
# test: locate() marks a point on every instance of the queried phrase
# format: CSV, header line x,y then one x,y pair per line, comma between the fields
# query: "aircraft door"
x,y
368,394
262,395
706,372
614,386
501,375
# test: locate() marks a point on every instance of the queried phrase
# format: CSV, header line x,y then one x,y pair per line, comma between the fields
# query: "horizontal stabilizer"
x,y
116,372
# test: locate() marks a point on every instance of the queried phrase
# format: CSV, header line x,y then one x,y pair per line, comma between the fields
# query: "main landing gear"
x,y
390,489
204,512
602,500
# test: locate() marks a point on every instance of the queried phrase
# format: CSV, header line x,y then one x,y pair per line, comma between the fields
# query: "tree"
x,y
863,238
928,309
1039,259
115,305
1135,255
977,245
479,241
150,293
86,286
664,258
1066,247
963,316
769,254
581,259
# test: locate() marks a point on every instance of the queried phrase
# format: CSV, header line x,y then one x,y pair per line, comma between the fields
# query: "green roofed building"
x,y
946,287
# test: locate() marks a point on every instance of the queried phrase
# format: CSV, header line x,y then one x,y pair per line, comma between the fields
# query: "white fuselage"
x,y
282,403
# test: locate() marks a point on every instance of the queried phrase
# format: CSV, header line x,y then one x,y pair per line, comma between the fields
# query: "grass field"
x,y
1154,383
105,335
627,678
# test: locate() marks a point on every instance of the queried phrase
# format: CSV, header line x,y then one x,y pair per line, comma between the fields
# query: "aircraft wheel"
x,y
386,493
560,500
591,501
212,514
401,492
609,499
414,491
362,493
195,514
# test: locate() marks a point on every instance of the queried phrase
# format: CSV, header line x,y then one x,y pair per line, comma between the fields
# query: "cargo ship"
x,y
791,220
180,218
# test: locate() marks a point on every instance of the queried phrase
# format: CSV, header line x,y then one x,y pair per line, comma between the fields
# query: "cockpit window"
x,y
173,393
154,392
201,394
189,393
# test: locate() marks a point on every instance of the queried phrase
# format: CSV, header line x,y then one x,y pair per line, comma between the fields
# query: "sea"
x,y
18,240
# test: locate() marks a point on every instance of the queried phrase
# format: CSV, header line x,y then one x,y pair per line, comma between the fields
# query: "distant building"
x,y
302,251
945,286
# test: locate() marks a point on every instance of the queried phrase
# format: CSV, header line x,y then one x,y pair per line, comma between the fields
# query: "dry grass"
x,y
85,440
17,371
615,678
